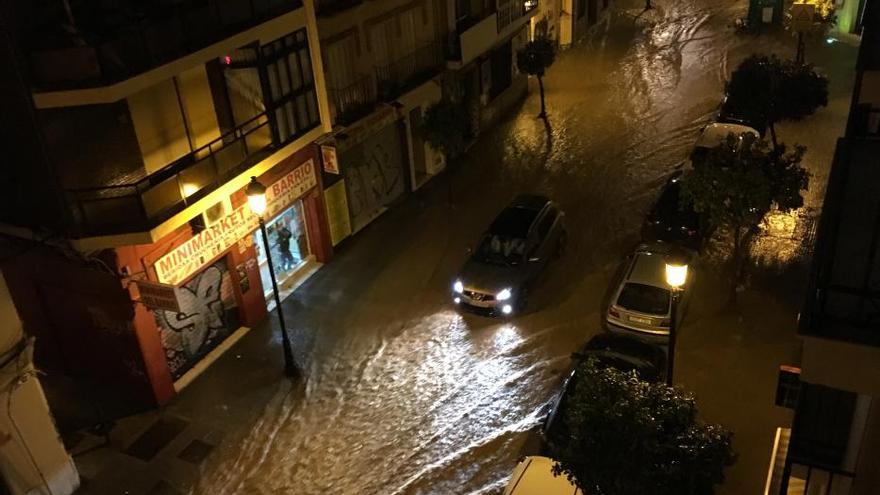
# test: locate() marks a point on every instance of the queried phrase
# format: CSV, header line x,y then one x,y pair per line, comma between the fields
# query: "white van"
x,y
534,476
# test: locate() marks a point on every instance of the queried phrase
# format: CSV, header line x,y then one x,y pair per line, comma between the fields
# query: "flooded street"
x,y
403,395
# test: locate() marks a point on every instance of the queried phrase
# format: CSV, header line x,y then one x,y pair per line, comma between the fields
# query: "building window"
x,y
291,101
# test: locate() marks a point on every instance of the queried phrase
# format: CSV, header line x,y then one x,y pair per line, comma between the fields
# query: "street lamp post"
x,y
256,194
676,276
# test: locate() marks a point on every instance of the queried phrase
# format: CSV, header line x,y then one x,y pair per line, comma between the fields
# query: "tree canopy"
x,y
445,127
630,437
739,181
536,56
771,89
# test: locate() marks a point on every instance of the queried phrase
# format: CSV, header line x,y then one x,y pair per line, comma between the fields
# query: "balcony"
x,y
408,71
139,205
114,42
477,33
353,101
844,294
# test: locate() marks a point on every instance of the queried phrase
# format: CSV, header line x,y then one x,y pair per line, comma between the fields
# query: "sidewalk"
x,y
159,452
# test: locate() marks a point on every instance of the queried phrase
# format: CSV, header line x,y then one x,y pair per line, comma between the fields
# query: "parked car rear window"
x,y
644,299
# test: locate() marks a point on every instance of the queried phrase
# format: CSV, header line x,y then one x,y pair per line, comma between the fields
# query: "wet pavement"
x,y
402,395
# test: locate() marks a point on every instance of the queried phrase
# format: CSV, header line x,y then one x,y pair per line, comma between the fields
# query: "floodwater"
x,y
405,396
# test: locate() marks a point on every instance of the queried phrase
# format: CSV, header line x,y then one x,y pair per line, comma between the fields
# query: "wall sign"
x,y
201,249
158,296
328,157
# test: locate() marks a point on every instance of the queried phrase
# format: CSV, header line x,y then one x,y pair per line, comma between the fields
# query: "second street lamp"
x,y
256,194
676,277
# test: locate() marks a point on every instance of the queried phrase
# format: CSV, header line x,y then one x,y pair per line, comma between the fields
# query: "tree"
x,y
625,436
445,127
769,89
738,183
534,58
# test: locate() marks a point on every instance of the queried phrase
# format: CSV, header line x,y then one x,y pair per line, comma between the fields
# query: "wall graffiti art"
x,y
208,314
374,175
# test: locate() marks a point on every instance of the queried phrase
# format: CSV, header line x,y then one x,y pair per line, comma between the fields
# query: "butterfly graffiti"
x,y
189,334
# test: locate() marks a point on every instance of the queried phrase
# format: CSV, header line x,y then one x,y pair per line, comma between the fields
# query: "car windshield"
x,y
501,250
644,299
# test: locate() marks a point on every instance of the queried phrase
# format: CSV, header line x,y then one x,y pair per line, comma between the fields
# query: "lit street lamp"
x,y
256,194
676,276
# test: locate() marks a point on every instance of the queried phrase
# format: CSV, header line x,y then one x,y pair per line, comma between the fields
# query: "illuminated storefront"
x,y
215,267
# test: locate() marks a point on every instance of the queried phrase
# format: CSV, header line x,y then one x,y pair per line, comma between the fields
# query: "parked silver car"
x,y
641,302
510,256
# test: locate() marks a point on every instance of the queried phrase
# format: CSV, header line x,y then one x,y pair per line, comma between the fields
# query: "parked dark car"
x,y
510,256
668,221
728,114
610,351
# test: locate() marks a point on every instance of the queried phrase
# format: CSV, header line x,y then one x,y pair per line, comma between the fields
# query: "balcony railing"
x,y
354,100
408,71
139,206
122,42
511,10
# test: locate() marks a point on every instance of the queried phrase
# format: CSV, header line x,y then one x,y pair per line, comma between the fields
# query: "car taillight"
x,y
613,312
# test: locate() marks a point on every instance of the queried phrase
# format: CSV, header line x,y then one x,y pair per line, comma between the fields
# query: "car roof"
x,y
715,133
648,268
518,217
536,478
530,201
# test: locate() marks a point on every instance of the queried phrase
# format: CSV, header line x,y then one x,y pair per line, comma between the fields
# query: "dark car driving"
x,y
510,256
670,222
610,351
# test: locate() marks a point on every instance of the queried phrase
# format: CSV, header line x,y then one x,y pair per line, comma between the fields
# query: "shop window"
x,y
288,244
289,86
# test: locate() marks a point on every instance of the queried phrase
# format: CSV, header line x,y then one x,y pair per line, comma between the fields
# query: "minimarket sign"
x,y
187,258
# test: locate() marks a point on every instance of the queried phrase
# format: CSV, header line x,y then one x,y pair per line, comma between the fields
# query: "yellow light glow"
x,y
676,275
257,204
256,194
189,189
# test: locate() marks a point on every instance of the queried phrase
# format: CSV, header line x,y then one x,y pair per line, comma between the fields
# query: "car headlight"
x,y
503,295
458,286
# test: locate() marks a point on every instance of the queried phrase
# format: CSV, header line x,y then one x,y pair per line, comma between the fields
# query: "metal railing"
x,y
408,71
354,100
111,46
812,479
141,205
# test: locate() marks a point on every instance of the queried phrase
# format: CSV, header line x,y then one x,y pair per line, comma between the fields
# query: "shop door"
x,y
208,314
418,144
288,243
373,172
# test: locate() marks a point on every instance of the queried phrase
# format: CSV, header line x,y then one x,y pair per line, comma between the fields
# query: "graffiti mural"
x,y
373,174
208,314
